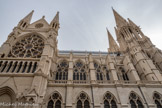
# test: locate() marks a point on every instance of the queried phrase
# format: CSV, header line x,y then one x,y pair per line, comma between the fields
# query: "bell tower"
x,y
129,36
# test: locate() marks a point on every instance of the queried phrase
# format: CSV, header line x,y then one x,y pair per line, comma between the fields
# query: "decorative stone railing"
x,y
102,82
18,65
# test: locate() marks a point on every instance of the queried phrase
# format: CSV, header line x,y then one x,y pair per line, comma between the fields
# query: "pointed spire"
x,y
26,20
55,19
28,17
120,21
55,22
113,47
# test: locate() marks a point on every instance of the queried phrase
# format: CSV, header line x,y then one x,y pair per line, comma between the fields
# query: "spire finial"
x,y
28,17
43,17
55,19
120,21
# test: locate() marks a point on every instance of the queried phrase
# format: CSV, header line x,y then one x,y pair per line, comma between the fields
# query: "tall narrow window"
x,y
80,71
62,70
157,99
106,104
29,68
20,65
135,101
9,67
106,71
15,65
99,72
34,67
123,75
50,104
109,101
58,104
79,104
4,66
24,68
83,100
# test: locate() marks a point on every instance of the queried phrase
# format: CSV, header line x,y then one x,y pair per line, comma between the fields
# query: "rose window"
x,y
31,46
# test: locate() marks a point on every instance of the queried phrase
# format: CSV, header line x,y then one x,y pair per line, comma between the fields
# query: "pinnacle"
x,y
28,17
120,21
113,47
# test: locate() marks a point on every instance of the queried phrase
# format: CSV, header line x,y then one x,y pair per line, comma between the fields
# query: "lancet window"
x,y
83,101
29,47
55,101
62,70
99,71
80,71
106,72
123,74
18,66
158,100
135,101
102,72
109,101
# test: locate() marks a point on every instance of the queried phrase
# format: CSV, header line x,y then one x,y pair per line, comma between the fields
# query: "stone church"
x,y
34,73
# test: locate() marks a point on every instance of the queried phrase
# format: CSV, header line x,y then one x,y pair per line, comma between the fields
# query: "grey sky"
x,y
83,22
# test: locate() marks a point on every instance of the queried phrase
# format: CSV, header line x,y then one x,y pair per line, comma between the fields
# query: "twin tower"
x,y
35,73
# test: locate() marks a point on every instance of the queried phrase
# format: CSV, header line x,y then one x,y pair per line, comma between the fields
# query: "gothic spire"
x,y
120,21
113,47
55,19
55,22
26,20
28,17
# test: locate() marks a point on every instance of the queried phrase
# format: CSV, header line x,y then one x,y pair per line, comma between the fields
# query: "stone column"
x,y
111,67
92,70
69,95
70,70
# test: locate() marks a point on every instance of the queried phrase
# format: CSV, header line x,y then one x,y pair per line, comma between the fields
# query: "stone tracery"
x,y
109,101
30,46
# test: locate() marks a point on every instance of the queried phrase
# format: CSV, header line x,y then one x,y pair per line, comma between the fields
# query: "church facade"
x,y
35,74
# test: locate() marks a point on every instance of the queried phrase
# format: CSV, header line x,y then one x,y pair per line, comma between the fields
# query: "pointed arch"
x,y
55,100
123,74
7,94
109,100
157,97
62,70
98,69
80,71
135,100
83,100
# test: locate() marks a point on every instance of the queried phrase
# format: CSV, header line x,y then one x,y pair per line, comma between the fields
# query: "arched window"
x,y
109,101
106,104
83,100
106,71
135,101
158,100
58,104
55,101
123,74
99,72
62,70
50,104
80,71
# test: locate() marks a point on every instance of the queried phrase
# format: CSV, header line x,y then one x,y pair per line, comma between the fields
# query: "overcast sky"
x,y
83,22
